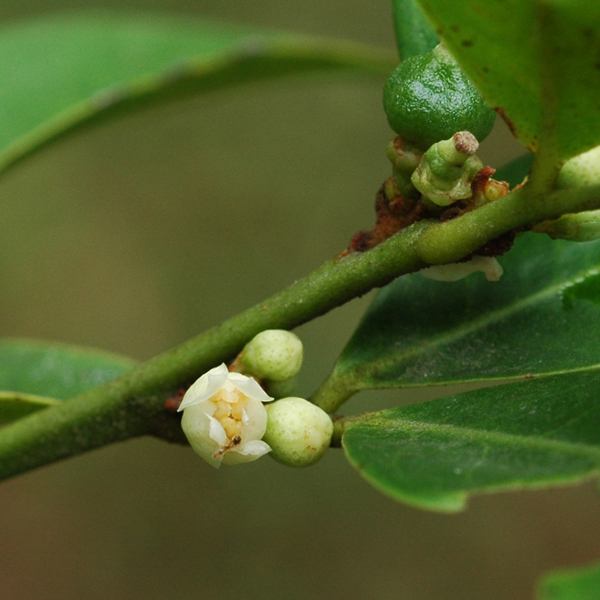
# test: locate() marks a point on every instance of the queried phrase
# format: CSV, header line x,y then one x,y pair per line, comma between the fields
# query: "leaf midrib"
x,y
463,433
449,336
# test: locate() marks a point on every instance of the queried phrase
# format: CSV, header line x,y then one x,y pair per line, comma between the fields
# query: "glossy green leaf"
x,y
536,61
542,317
582,583
414,34
62,73
529,434
54,370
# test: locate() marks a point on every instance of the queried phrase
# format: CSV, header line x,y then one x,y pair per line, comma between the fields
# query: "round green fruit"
x,y
428,98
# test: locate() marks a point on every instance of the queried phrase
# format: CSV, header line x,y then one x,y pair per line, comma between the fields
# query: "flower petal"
x,y
254,447
245,418
196,425
246,452
217,432
490,267
205,387
249,387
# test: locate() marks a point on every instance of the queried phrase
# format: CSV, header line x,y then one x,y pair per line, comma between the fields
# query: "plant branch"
x,y
134,404
450,241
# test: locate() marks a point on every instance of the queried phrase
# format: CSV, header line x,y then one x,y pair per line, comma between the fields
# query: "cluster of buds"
x,y
583,169
405,159
229,418
447,169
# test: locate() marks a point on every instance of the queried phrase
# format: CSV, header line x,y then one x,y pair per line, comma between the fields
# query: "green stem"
x,y
133,405
448,242
333,392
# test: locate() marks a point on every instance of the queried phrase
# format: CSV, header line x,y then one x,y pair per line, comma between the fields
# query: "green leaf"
x,y
541,318
62,73
14,405
58,371
535,61
581,583
529,434
414,34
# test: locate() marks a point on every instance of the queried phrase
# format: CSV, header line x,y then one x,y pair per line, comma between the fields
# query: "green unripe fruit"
x,y
428,98
273,354
298,432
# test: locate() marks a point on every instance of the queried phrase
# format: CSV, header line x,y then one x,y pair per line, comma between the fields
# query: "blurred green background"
x,y
138,235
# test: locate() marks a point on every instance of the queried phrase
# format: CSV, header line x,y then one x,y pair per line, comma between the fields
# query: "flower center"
x,y
231,413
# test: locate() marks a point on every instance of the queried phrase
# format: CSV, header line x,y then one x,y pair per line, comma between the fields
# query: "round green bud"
x,y
428,98
298,432
583,169
273,354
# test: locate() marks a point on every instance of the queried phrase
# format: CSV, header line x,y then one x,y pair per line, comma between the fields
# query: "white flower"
x,y
224,418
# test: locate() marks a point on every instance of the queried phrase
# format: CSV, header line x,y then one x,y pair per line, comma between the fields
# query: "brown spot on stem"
x,y
480,180
451,213
174,402
393,214
498,246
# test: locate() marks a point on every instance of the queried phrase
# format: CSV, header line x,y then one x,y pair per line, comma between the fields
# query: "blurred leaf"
x,y
63,73
536,61
541,318
515,171
529,434
414,34
14,405
571,584
57,371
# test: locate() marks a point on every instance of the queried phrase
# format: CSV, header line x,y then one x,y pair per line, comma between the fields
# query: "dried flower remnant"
x,y
224,418
489,266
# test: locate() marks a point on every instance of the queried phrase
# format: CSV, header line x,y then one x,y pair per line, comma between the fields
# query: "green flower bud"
x,y
405,160
578,227
273,355
298,432
581,170
447,169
